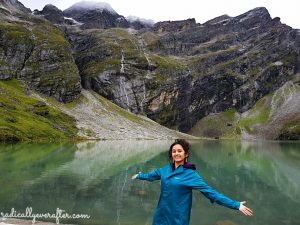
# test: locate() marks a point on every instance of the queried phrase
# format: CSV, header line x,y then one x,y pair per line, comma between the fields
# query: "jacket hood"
x,y
185,165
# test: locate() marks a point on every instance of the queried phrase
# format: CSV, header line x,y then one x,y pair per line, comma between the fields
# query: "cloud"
x,y
92,5
142,20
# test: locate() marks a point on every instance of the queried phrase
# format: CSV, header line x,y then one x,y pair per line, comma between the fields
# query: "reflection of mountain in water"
x,y
98,174
268,161
21,164
96,161
265,174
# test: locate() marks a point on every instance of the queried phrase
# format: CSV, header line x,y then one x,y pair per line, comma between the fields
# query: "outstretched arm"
x,y
199,184
154,175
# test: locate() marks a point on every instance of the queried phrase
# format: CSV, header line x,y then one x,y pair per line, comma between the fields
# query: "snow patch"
x,y
278,63
73,21
121,18
92,5
223,22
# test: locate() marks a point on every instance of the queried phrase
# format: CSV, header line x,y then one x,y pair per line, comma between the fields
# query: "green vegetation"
x,y
166,62
155,45
106,53
93,67
50,35
291,130
218,125
16,33
230,113
150,38
290,60
24,118
259,114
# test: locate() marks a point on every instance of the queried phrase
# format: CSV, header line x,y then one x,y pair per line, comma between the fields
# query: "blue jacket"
x,y
174,206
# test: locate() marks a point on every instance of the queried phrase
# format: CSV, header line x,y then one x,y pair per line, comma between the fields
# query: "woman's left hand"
x,y
245,210
134,176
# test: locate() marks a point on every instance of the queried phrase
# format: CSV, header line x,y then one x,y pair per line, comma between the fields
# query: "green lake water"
x,y
94,178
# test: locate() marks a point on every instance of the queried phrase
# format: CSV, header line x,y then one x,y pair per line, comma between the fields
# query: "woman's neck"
x,y
176,164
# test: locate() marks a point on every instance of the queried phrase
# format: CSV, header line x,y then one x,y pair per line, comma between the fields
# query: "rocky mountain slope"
x,y
275,116
33,50
98,118
174,72
28,115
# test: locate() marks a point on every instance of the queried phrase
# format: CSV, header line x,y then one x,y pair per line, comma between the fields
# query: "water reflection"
x,y
263,173
94,178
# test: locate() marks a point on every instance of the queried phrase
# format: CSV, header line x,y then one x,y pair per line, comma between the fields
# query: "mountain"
x,y
89,14
51,13
180,74
95,15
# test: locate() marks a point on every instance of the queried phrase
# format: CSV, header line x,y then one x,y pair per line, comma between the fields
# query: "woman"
x,y
177,181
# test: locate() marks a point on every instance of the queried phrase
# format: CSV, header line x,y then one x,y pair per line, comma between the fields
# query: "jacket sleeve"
x,y
199,184
154,175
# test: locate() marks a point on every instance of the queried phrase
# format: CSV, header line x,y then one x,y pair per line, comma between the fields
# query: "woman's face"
x,y
178,154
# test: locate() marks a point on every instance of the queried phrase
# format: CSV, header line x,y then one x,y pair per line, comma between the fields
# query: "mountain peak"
x,y
259,12
50,6
51,13
91,5
95,15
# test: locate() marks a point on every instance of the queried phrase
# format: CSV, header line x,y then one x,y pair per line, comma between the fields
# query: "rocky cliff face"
x,y
176,72
174,26
234,61
275,116
33,50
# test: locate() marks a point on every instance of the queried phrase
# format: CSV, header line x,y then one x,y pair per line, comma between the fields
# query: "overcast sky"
x,y
201,10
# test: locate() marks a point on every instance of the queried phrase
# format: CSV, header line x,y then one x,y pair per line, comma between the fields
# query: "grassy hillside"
x,y
23,118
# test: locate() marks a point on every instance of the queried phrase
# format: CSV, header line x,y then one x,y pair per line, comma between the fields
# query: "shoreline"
x,y
14,221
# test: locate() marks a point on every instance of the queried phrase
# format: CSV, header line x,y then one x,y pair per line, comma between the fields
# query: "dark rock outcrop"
x,y
51,13
174,26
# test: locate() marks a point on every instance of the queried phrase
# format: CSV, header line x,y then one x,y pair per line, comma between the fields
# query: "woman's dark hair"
x,y
185,145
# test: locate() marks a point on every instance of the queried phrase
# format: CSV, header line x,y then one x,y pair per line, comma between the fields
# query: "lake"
x,y
93,178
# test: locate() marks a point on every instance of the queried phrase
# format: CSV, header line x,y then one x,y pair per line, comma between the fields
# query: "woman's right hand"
x,y
134,176
245,210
